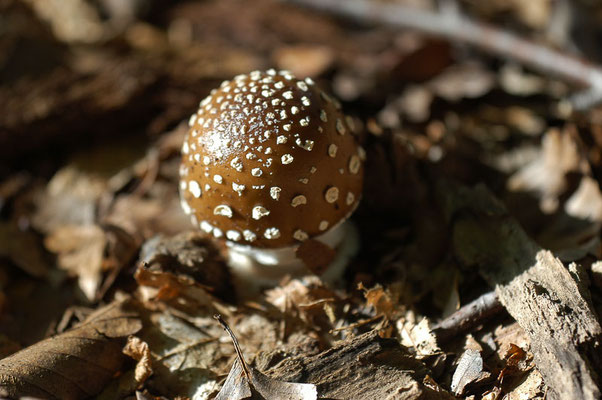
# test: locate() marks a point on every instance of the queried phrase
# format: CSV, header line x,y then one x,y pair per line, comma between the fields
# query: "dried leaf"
x,y
85,26
236,386
139,351
547,175
70,198
188,254
243,381
23,248
80,250
145,217
87,251
379,299
469,369
180,291
307,299
74,365
418,336
531,387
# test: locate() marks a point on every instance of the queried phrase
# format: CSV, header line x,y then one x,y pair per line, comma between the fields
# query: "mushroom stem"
x,y
266,267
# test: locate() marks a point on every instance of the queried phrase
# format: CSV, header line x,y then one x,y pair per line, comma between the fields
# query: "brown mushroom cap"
x,y
269,161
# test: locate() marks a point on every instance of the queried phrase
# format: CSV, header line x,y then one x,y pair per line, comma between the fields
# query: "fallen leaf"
x,y
469,369
74,365
145,217
242,381
80,250
87,251
546,176
379,299
178,290
188,254
23,248
71,198
139,351
520,83
418,336
307,299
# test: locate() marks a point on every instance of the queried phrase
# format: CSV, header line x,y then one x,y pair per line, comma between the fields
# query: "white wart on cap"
x,y
269,161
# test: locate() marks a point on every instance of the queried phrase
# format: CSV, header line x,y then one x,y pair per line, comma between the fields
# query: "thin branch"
x,y
456,27
468,316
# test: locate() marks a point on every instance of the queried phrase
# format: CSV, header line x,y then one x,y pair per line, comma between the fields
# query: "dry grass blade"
x,y
74,365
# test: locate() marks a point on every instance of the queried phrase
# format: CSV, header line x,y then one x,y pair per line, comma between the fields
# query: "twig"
x,y
468,316
243,363
455,26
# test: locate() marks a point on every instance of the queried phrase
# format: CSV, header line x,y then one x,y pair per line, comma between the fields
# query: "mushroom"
x,y
269,162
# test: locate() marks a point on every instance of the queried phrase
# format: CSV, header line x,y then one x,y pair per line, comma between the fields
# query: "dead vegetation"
x,y
479,272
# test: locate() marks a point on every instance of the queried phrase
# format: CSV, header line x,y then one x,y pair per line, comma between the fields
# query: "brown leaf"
x,y
139,351
145,217
80,250
469,80
74,365
417,335
379,299
546,175
87,251
23,248
70,198
180,291
188,254
307,299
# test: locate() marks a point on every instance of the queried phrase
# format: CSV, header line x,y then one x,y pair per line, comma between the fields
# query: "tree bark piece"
x,y
543,296
364,367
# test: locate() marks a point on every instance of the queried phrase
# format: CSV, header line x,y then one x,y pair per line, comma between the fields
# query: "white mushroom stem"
x,y
266,267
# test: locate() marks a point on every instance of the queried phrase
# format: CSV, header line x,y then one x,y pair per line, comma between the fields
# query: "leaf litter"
x,y
78,229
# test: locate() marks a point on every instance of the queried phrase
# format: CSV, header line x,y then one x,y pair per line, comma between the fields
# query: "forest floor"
x,y
478,275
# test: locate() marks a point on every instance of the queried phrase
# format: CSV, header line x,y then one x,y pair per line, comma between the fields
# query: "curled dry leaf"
x,y
144,217
417,336
379,299
74,365
139,351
